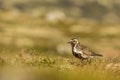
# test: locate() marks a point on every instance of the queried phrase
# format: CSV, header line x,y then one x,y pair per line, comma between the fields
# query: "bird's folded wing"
x,y
87,51
84,56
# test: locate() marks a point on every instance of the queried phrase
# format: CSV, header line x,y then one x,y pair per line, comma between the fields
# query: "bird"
x,y
81,51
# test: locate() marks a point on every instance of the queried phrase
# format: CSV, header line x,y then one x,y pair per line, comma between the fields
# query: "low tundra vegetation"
x,y
26,66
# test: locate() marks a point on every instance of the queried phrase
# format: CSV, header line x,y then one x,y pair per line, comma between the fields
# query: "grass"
x,y
27,64
34,48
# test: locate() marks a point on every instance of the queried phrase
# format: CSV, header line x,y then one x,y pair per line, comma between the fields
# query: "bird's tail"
x,y
95,54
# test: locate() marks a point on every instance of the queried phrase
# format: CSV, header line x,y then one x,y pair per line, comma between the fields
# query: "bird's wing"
x,y
83,51
90,52
87,51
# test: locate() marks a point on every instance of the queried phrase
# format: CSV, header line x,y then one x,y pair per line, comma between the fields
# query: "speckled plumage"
x,y
81,51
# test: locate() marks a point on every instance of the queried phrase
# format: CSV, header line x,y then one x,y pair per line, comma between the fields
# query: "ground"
x,y
32,66
34,36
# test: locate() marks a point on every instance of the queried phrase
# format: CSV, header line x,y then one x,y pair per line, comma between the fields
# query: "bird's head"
x,y
73,41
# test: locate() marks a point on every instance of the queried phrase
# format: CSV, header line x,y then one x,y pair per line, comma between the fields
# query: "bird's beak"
x,y
69,42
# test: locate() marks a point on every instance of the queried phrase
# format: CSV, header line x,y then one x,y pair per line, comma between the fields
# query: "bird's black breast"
x,y
77,55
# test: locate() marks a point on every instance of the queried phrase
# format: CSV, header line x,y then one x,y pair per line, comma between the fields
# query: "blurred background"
x,y
47,25
34,36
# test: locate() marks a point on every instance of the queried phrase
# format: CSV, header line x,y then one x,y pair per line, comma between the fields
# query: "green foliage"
x,y
51,67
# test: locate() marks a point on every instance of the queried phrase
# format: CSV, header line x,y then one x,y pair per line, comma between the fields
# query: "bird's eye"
x,y
74,41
